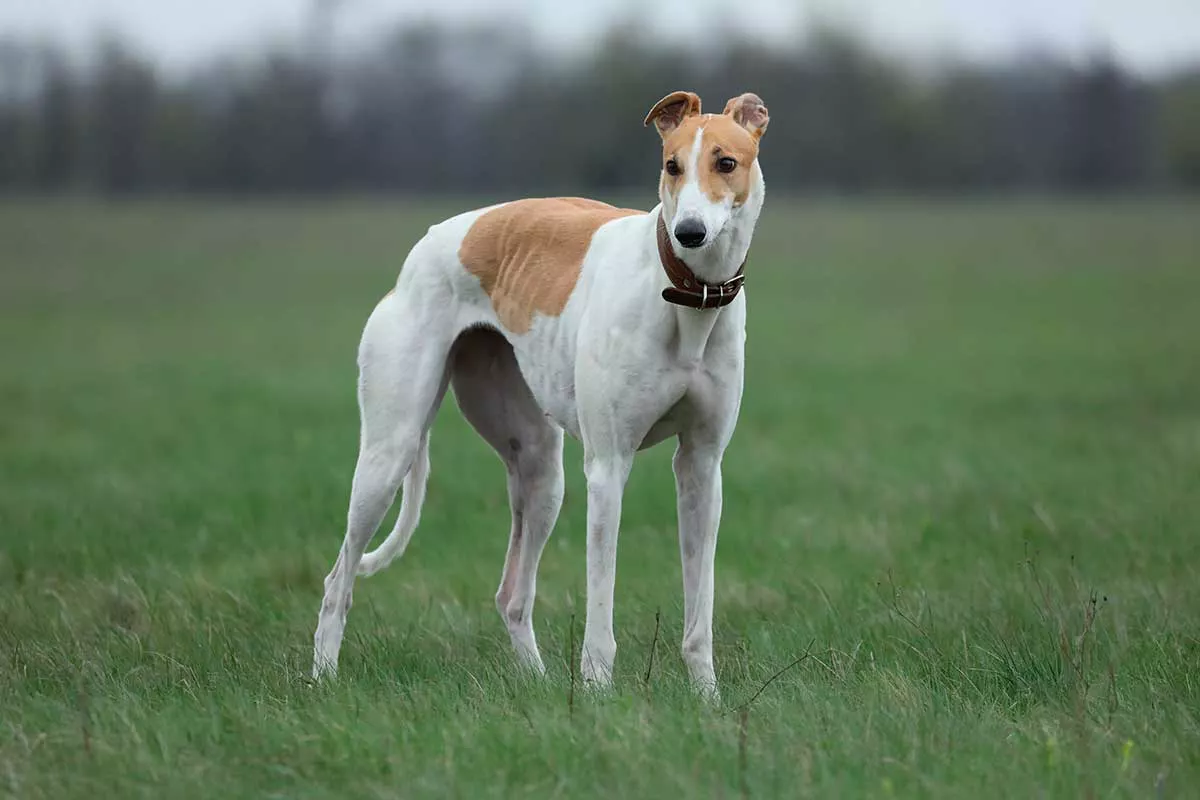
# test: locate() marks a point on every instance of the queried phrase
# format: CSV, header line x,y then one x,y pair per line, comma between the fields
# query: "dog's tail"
x,y
410,513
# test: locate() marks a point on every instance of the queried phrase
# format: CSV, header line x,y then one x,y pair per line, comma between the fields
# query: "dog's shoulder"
x,y
528,254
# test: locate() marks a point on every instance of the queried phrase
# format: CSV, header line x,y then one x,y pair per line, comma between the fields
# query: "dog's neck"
x,y
686,289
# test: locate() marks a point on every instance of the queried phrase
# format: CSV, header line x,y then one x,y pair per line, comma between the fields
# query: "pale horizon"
x,y
1149,36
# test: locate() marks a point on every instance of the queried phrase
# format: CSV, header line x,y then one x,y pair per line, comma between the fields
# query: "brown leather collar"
x,y
688,290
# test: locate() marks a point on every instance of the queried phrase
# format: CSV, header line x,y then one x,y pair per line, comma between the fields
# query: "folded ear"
x,y
748,111
672,110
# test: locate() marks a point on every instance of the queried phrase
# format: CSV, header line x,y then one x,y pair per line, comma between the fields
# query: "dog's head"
x,y
710,163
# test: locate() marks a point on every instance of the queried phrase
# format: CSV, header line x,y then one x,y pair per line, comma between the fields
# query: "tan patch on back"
x,y
722,137
528,254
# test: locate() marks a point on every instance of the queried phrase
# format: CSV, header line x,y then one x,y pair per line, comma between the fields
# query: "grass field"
x,y
966,482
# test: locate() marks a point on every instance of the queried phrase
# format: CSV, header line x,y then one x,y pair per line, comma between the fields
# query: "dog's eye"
x,y
673,168
726,164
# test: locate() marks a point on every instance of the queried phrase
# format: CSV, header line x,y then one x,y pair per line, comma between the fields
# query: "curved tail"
x,y
410,513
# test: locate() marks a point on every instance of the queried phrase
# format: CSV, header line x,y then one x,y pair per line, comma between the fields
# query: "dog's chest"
x,y
653,382
699,373
694,391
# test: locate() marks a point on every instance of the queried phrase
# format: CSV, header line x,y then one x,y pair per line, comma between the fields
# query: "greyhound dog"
x,y
547,315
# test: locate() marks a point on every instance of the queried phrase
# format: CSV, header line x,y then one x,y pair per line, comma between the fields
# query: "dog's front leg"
x,y
606,476
698,493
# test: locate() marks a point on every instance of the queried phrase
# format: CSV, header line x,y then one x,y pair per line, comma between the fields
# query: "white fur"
x,y
619,368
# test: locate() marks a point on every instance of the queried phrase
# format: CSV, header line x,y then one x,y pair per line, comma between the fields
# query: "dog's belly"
x,y
558,403
549,372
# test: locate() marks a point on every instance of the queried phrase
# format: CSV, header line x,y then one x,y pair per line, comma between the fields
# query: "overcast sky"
x,y
1147,34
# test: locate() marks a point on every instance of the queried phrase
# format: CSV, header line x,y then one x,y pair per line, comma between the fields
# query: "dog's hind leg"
x,y
495,399
402,378
411,500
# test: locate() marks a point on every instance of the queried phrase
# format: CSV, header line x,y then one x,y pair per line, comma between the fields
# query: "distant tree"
x,y
1181,128
965,145
56,144
1102,148
123,93
17,95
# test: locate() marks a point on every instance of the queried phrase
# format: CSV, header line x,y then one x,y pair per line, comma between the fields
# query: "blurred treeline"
x,y
485,108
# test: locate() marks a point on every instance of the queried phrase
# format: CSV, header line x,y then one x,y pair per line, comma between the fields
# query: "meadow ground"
x,y
966,482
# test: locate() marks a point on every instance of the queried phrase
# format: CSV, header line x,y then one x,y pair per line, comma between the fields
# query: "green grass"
x,y
962,424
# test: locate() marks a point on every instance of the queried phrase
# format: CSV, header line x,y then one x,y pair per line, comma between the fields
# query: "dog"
x,y
552,315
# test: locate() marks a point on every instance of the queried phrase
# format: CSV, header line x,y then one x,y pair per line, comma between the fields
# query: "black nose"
x,y
690,232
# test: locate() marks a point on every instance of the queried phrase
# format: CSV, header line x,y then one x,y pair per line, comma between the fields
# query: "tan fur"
x,y
748,111
733,133
528,253
722,137
672,110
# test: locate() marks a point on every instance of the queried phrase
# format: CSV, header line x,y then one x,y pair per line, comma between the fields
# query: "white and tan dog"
x,y
620,327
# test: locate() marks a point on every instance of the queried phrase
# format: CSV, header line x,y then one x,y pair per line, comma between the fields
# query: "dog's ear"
x,y
748,111
672,110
